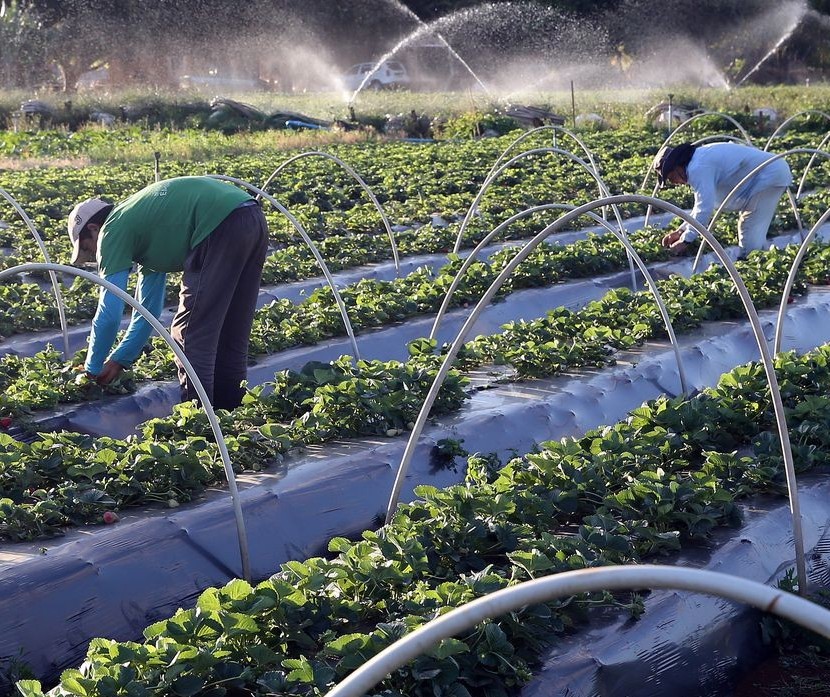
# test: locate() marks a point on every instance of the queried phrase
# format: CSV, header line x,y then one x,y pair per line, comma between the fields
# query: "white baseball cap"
x,y
78,218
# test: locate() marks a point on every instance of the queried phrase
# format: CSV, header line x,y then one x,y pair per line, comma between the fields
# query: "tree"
x,y
22,51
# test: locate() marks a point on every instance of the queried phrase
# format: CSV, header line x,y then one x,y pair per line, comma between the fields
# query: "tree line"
x,y
154,41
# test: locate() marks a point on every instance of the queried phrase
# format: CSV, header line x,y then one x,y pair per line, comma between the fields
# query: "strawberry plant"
x,y
618,494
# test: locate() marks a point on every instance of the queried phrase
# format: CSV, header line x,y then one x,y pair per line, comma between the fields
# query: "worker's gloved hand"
x,y
671,239
110,372
674,244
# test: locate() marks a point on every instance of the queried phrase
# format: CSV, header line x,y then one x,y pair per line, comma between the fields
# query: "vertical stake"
x,y
156,170
671,115
573,104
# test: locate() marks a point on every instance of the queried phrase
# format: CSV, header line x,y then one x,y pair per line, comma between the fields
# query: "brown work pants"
x,y
217,301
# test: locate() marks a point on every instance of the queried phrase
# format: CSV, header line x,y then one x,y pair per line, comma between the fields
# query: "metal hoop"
x,y
607,578
549,127
52,277
786,122
191,373
752,314
356,177
556,129
623,240
320,262
809,165
799,257
603,191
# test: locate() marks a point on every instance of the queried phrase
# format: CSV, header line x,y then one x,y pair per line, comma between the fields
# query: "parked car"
x,y
387,74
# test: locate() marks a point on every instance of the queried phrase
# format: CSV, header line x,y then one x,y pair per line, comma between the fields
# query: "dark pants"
x,y
217,301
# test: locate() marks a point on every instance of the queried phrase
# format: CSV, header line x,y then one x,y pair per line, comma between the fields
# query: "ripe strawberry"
x,y
5,422
110,517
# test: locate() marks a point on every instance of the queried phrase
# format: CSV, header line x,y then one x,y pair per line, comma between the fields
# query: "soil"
x,y
799,674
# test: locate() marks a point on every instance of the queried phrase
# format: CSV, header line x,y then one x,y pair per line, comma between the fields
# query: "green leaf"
x,y
273,431
89,470
348,643
301,669
155,630
237,623
262,655
188,685
106,456
30,688
73,682
209,601
447,648
237,589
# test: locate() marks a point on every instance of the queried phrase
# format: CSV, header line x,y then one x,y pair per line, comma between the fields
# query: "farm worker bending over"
x,y
712,171
212,231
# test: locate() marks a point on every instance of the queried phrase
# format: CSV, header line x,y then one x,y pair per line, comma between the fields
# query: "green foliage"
x,y
476,124
619,494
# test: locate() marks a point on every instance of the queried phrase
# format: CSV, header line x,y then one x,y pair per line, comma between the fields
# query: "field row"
x,y
666,476
70,479
412,182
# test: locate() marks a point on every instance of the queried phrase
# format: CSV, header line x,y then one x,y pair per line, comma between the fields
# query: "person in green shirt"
x,y
213,232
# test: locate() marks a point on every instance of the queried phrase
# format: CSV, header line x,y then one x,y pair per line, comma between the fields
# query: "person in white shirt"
x,y
712,171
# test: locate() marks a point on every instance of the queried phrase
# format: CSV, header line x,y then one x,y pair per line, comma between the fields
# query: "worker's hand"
x,y
671,239
678,248
110,372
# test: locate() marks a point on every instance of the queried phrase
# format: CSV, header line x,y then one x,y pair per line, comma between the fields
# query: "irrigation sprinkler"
x,y
445,303
573,104
799,257
603,191
743,181
191,373
568,583
52,277
749,307
349,170
786,122
317,256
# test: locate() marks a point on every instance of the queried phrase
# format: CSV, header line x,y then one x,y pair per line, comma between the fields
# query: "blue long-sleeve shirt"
x,y
105,325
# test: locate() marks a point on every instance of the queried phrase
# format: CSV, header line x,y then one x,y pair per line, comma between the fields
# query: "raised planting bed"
x,y
119,416
694,644
600,498
125,576
28,343
55,480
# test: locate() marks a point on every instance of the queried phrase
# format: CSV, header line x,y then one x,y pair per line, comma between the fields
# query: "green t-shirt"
x,y
157,226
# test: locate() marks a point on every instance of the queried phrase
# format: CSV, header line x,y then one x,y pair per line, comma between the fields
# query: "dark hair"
x,y
672,158
682,154
100,216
